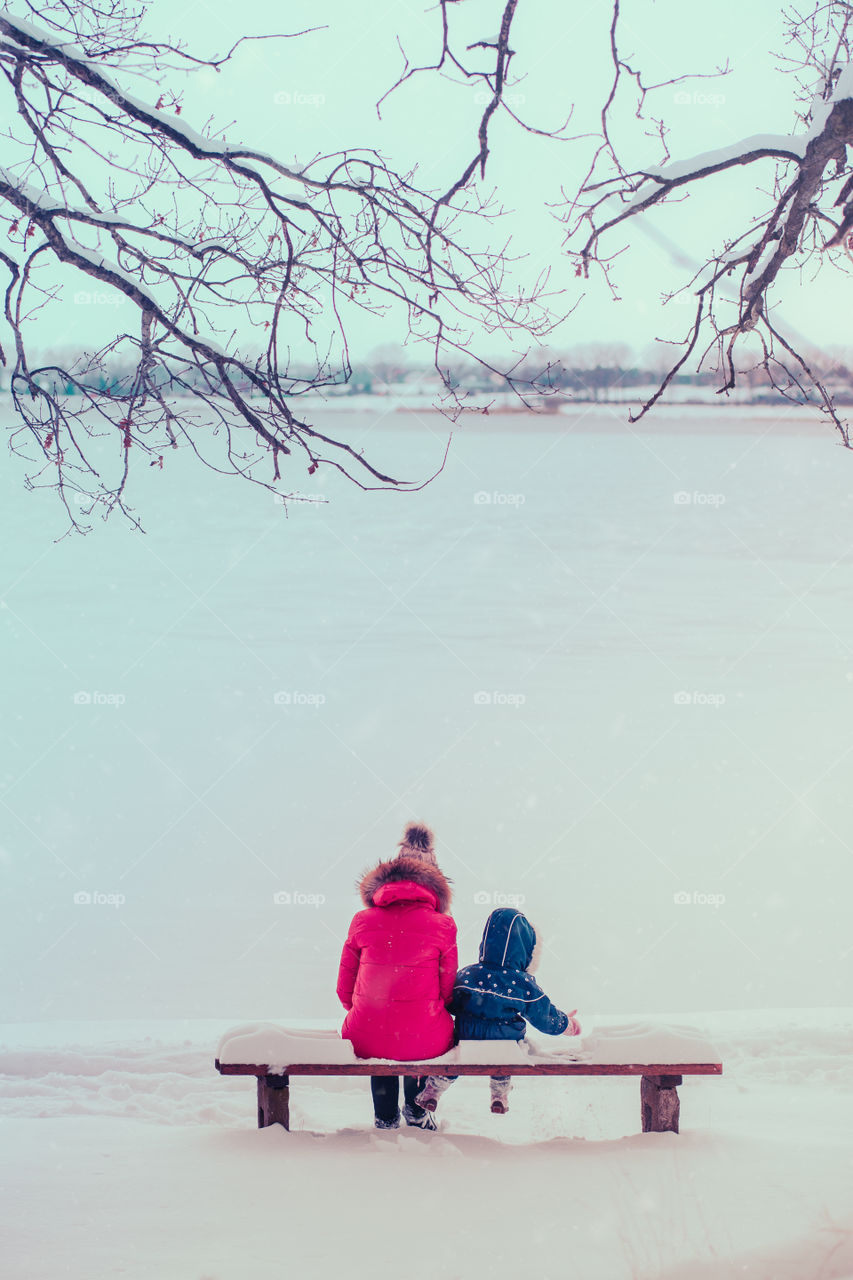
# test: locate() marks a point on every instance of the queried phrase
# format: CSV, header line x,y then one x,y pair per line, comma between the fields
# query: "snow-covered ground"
x,y
126,1155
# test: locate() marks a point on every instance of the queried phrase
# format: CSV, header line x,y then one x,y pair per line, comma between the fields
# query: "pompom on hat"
x,y
418,842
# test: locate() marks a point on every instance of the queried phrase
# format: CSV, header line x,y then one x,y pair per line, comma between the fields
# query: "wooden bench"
x,y
658,1085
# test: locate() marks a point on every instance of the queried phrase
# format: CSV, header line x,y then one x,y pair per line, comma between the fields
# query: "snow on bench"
x,y
660,1054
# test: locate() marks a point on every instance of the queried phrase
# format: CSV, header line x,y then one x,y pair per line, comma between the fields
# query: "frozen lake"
x,y
614,670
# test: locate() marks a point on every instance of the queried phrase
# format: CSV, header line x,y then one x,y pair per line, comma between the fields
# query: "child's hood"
x,y
509,940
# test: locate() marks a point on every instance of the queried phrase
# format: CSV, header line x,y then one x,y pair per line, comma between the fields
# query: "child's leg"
x,y
432,1089
500,1087
386,1094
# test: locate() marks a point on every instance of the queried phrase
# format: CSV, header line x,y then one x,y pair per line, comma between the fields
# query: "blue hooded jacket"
x,y
496,998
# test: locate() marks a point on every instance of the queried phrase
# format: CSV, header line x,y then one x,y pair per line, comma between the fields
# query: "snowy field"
x,y
126,1155
613,669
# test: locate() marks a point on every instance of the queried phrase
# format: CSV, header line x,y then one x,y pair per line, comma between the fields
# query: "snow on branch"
x,y
798,223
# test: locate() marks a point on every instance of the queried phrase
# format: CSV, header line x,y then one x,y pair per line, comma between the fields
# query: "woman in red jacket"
x,y
397,972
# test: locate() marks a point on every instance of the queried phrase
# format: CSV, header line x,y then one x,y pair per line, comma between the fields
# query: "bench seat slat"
x,y
472,1069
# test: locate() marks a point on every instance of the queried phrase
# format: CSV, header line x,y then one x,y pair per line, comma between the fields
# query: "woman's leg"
x,y
413,1112
412,1086
386,1096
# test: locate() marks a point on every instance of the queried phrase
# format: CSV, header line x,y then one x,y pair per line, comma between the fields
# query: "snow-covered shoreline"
x,y
687,409
54,1069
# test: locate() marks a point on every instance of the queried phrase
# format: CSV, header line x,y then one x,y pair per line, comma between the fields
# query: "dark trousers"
x,y
386,1095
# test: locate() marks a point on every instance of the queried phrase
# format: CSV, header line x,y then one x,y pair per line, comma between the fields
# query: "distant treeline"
x,y
594,371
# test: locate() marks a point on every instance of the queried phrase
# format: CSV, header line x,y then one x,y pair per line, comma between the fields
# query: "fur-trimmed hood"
x,y
402,870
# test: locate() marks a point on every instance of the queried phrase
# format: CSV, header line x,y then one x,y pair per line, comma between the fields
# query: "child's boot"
x,y
500,1087
431,1092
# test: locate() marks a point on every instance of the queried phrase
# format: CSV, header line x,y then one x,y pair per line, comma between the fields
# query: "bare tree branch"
x,y
218,248
812,179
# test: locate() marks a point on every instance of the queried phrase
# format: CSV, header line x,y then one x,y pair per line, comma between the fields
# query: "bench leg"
x,y
660,1104
273,1101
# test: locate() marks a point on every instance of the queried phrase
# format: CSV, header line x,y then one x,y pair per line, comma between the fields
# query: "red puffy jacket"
x,y
398,964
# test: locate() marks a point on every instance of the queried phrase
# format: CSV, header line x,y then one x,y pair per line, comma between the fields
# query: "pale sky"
x,y
318,94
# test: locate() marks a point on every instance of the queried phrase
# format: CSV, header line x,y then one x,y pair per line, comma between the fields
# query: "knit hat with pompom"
x,y
418,842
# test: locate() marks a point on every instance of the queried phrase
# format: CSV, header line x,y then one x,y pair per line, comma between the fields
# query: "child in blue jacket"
x,y
496,998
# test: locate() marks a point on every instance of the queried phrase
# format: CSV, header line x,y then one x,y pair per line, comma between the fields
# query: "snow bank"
x,y
620,1043
624,1043
264,1042
277,1046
